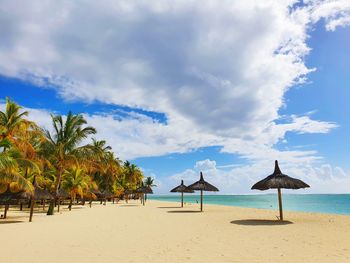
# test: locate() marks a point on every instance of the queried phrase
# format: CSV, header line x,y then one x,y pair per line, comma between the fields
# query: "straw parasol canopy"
x,y
144,190
62,194
107,194
278,180
181,189
41,194
9,198
202,185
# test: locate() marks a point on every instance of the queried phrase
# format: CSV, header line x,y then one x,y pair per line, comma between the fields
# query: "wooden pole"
x,y
21,207
182,199
58,205
5,212
44,204
201,200
32,201
280,203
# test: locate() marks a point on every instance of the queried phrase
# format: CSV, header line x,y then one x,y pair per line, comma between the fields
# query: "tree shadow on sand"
x,y
260,222
184,211
128,205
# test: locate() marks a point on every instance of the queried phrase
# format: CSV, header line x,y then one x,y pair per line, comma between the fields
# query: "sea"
x,y
319,203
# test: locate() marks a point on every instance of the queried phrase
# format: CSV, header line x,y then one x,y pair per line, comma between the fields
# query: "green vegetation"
x,y
60,158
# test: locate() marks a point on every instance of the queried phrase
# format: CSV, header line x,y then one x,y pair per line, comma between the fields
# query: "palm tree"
x,y
10,162
11,119
149,183
75,182
63,145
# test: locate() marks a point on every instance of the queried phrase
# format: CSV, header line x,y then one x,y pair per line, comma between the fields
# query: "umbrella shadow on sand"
x,y
184,211
10,222
260,222
169,207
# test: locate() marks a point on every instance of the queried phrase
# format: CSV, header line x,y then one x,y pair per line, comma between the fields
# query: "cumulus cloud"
x,y
216,65
218,70
323,178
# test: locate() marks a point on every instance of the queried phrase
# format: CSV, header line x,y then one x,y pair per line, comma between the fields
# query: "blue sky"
x,y
177,93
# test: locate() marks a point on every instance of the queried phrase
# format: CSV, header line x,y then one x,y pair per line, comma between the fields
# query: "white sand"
x,y
159,232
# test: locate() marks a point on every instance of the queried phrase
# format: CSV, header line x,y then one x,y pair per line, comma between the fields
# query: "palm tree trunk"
x,y
32,202
50,211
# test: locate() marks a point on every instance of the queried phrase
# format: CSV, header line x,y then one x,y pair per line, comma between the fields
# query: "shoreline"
x,y
305,203
163,232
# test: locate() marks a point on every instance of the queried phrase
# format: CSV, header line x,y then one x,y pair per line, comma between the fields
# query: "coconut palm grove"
x,y
65,164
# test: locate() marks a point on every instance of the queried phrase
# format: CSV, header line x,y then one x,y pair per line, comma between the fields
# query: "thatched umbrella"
x,y
144,190
182,189
61,194
43,195
202,185
106,194
8,198
278,180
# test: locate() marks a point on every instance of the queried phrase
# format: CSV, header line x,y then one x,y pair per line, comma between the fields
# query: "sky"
x,y
223,87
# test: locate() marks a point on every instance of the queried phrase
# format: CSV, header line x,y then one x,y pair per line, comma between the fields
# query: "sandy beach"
x,y
162,232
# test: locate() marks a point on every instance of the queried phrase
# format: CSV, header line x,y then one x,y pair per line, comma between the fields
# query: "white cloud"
x,y
218,70
323,178
216,65
335,13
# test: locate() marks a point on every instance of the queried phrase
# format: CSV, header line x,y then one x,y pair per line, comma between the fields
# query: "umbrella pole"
x,y
280,203
32,201
5,212
201,200
182,199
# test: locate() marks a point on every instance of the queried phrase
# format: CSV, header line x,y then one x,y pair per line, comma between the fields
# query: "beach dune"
x,y
163,232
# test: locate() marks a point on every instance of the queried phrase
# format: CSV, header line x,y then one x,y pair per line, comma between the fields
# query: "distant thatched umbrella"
x,y
202,185
61,194
144,190
277,180
42,194
8,198
182,189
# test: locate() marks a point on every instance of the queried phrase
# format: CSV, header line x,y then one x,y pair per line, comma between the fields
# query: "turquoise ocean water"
x,y
320,203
